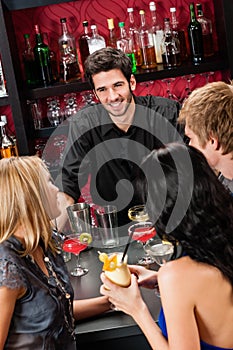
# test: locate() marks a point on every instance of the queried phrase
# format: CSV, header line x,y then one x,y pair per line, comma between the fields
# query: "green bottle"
x,y
195,37
42,60
29,63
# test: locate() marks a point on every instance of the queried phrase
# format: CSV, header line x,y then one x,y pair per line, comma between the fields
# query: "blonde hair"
x,y
208,112
24,200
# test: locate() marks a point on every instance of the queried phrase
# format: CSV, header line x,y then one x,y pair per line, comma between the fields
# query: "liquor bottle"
x,y
8,147
179,33
96,41
69,65
42,60
111,41
207,32
29,63
157,31
52,57
134,37
146,43
195,37
124,44
83,43
2,82
170,47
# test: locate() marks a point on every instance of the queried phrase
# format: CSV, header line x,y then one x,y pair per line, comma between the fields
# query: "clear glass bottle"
x,y
134,36
180,34
83,43
69,65
146,43
195,37
2,82
96,41
157,31
29,63
111,41
42,60
8,147
207,32
124,44
71,106
170,47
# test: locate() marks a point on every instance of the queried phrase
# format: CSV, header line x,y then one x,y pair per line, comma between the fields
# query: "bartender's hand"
x,y
128,299
145,278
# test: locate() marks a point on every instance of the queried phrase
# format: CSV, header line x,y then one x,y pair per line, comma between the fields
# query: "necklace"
x,y
54,281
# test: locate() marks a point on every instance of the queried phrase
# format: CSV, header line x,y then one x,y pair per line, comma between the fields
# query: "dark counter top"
x,y
114,328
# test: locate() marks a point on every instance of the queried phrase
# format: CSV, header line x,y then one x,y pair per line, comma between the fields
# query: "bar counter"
x,y
113,329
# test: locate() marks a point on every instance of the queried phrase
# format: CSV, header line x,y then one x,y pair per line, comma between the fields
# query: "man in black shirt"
x,y
109,140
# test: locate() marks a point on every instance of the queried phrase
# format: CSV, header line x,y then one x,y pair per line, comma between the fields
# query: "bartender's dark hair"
x,y
188,204
106,59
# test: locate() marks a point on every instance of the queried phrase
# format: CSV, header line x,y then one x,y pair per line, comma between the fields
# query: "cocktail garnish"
x,y
110,262
85,238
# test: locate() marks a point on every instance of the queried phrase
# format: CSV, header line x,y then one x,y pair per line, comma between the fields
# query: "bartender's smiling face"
x,y
114,92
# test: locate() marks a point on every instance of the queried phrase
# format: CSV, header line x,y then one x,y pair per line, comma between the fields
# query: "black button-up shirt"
x,y
97,147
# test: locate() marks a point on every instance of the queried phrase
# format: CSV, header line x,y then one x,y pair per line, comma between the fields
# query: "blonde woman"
x,y
36,297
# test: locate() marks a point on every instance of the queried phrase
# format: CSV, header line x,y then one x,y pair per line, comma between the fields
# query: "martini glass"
x,y
143,232
75,243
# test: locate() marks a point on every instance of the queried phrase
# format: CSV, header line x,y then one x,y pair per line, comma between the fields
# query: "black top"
x,y
42,318
98,147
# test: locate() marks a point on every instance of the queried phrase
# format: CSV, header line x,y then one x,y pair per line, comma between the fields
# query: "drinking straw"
x,y
127,245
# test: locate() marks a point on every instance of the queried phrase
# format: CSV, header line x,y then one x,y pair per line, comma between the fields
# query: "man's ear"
x,y
132,83
214,143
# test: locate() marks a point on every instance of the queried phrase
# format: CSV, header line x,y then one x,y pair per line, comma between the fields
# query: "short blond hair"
x,y
208,112
23,201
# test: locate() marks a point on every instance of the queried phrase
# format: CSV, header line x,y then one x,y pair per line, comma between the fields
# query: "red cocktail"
x,y
142,232
74,244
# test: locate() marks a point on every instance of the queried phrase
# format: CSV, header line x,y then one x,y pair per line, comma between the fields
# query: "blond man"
x,y
208,118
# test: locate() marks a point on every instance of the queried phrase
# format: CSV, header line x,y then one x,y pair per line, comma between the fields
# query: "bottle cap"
x,y
26,36
110,23
129,9
93,26
62,20
4,119
152,6
85,23
141,12
172,9
121,24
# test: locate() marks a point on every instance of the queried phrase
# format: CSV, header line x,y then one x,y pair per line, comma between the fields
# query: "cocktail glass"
x,y
143,232
75,243
161,252
138,213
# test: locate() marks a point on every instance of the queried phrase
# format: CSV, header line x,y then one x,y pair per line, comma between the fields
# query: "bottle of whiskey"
x,y
69,65
146,43
134,37
207,32
42,60
157,31
8,147
83,43
111,41
195,37
170,47
180,34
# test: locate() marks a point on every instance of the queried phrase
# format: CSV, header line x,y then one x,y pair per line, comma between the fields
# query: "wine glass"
x,y
54,112
142,232
71,106
168,83
75,243
138,213
161,252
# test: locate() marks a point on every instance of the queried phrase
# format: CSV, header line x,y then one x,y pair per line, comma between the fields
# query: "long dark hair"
x,y
188,204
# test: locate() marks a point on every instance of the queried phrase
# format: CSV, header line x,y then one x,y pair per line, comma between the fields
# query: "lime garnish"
x,y
85,238
103,257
